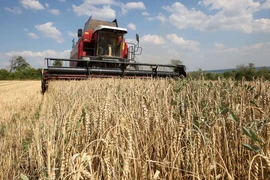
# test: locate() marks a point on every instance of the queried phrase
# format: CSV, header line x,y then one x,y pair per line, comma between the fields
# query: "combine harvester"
x,y
101,51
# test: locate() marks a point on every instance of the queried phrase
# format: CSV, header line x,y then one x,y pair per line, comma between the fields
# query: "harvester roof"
x,y
92,24
111,28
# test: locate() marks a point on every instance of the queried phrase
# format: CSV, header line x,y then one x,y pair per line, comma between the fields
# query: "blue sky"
x,y
206,34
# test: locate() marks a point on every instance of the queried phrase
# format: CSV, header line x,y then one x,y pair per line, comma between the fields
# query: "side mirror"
x,y
79,32
137,37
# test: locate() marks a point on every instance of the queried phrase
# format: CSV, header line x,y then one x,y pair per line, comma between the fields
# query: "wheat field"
x,y
135,129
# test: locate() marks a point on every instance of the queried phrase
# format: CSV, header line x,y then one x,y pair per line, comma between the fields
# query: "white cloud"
x,y
45,53
101,9
54,11
4,60
161,17
135,5
234,15
15,10
153,39
150,58
173,53
36,59
232,7
99,2
150,18
88,8
160,50
266,5
62,1
182,18
145,13
32,4
208,58
219,45
220,21
132,5
131,40
47,5
257,46
132,26
33,35
230,57
261,25
49,31
25,29
244,49
71,34
184,44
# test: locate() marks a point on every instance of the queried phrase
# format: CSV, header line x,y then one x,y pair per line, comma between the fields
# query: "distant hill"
x,y
220,71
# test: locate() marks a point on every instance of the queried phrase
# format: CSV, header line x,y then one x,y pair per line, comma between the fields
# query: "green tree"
x,y
57,63
211,76
176,62
229,74
28,73
4,74
196,74
263,72
248,72
18,62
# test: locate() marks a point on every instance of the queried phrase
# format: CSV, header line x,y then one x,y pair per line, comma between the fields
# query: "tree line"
x,y
248,72
20,69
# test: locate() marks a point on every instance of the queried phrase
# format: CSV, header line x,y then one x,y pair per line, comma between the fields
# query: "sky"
x,y
203,34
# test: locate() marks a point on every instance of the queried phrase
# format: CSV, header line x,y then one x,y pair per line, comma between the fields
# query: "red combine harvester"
x,y
101,51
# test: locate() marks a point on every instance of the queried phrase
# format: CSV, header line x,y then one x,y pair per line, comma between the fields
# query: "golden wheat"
x,y
135,129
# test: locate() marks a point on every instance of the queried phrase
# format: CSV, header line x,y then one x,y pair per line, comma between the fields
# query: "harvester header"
x,y
101,51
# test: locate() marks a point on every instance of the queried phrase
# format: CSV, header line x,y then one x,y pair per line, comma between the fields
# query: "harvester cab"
x,y
109,44
102,51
